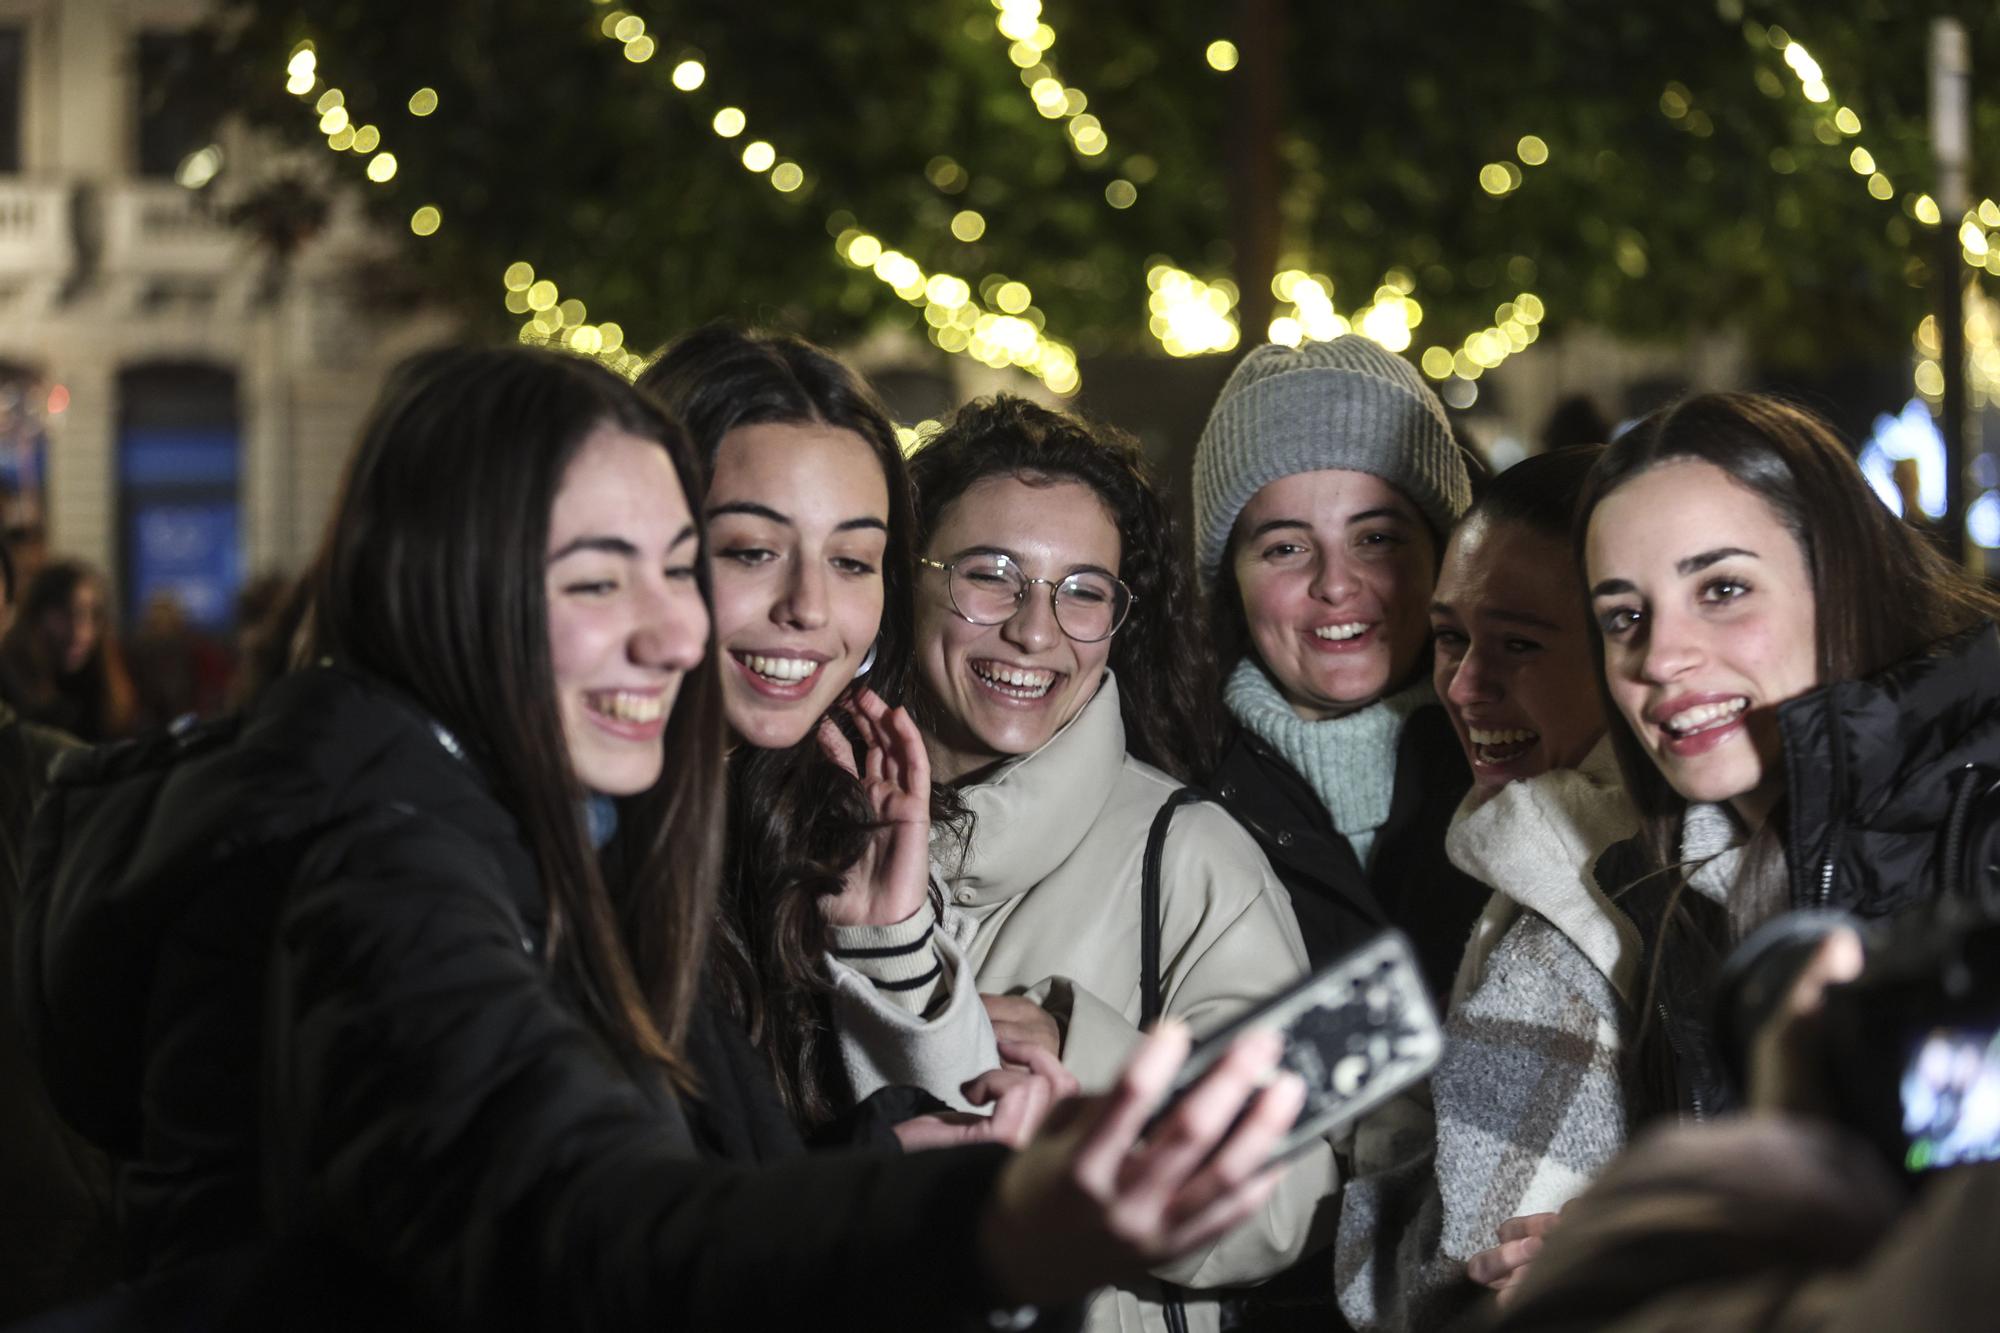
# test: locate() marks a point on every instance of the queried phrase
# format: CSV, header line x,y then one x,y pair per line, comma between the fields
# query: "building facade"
x,y
176,396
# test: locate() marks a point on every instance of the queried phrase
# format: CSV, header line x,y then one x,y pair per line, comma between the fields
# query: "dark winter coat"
x,y
57,1241
1412,884
293,971
1883,781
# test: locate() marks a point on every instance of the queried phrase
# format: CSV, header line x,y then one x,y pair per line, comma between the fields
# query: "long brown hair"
x,y
1881,591
798,822
432,578
96,701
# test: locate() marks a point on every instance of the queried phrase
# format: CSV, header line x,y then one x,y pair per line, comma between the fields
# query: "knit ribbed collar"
x,y
1712,848
1034,810
1348,761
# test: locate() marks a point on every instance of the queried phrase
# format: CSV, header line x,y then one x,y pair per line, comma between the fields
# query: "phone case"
x,y
1357,1032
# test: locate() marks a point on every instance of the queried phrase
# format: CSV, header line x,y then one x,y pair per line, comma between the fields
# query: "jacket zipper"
x,y
1950,879
1694,1090
1836,817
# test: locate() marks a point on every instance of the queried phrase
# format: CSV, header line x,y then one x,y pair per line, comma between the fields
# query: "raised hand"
x,y
890,881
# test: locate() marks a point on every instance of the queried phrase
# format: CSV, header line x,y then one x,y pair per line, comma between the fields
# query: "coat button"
x,y
1284,837
1228,792
965,895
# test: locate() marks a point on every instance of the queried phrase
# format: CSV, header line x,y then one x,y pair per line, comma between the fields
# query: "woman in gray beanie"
x,y
1324,485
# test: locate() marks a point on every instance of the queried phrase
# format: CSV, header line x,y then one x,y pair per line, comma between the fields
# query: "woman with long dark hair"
x,y
60,663
828,926
386,993
1060,686
1798,687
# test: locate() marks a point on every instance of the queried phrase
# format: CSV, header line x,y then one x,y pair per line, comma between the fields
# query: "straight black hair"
x,y
432,577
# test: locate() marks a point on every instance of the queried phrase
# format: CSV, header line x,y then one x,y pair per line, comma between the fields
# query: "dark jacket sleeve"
x,y
434,1109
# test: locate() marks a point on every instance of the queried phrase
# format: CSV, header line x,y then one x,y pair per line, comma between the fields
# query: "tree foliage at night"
x,y
1689,184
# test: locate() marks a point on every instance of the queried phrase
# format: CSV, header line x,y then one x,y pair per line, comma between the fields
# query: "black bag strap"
x,y
1151,1001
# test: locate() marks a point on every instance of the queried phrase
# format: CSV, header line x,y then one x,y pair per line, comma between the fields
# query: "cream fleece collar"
x,y
1536,843
1036,809
1349,762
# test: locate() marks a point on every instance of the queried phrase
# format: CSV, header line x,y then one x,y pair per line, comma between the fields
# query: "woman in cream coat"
x,y
1057,689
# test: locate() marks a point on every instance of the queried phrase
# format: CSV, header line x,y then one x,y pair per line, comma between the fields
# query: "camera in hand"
x,y
1912,1044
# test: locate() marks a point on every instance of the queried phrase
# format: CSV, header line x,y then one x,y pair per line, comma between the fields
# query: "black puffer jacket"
x,y
1411,884
292,972
1889,805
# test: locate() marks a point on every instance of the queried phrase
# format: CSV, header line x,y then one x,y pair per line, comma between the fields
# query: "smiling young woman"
x,y
831,957
1526,1104
1325,483
1796,685
1059,682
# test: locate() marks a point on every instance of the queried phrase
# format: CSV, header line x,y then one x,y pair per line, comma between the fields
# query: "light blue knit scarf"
x,y
1349,762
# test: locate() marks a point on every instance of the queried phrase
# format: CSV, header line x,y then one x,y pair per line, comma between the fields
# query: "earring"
x,y
867,661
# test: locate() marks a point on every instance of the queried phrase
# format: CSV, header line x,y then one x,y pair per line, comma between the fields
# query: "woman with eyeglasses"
x,y
1059,684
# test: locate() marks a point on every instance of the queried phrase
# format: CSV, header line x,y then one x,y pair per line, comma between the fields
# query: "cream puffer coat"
x,y
1043,890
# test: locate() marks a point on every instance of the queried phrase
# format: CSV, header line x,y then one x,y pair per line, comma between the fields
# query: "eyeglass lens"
x,y
987,590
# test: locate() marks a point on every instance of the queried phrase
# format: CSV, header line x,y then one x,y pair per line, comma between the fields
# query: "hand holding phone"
x,y
1357,1032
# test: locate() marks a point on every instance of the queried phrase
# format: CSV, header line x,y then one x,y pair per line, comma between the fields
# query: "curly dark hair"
x,y
797,821
1166,674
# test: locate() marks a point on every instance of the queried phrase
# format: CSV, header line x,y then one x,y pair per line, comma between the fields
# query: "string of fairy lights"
x,y
1978,230
993,320
552,319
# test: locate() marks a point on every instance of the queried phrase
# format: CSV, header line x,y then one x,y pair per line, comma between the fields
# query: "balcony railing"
x,y
35,235
156,228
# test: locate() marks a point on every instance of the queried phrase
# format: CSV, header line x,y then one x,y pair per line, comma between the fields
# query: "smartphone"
x,y
1357,1032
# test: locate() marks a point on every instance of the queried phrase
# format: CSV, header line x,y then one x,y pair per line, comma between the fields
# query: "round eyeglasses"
x,y
987,588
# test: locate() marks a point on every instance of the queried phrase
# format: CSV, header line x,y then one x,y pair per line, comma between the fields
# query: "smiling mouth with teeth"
x,y
1498,747
1704,717
627,706
778,670
1341,633
1014,682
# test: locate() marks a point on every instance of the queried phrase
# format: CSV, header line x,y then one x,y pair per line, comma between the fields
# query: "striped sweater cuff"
x,y
901,959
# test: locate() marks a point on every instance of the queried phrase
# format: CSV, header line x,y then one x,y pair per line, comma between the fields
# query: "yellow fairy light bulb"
x,y
382,167
1222,56
423,101
426,220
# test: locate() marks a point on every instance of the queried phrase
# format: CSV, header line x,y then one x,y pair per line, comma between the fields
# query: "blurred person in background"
x,y
58,1239
60,664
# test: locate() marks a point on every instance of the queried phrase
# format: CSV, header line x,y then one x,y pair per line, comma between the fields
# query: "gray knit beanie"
x,y
1348,403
